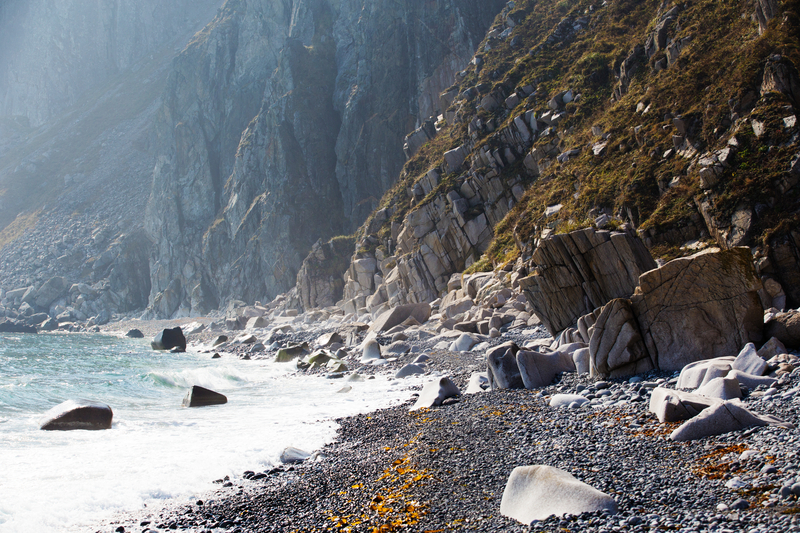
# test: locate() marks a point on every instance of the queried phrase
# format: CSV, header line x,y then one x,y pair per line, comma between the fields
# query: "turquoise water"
x,y
62,481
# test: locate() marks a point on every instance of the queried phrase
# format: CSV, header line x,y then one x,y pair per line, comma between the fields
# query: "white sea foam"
x,y
68,481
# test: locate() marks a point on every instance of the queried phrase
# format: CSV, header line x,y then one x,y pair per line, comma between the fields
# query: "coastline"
x,y
445,468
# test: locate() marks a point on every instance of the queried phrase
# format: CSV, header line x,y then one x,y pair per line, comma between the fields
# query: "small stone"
x,y
409,370
740,504
769,469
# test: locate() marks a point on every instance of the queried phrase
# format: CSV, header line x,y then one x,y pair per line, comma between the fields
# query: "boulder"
x,y
478,382
256,322
699,373
293,455
318,359
135,334
581,358
397,348
14,326
503,371
201,397
572,274
463,343
371,350
723,418
538,370
539,491
328,339
77,414
219,340
457,307
785,327
749,380
51,324
566,400
169,339
616,346
771,348
749,362
435,392
674,405
726,388
420,312
50,291
699,307
409,370
291,353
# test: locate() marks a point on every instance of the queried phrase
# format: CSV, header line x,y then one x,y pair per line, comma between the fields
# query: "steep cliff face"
x,y
322,138
636,115
51,53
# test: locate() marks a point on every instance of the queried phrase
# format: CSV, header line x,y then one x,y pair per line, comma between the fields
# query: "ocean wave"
x,y
211,378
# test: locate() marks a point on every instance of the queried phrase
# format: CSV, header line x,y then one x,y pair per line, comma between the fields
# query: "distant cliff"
x,y
51,53
283,123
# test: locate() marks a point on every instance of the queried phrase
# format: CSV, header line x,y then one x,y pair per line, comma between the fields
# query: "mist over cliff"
x,y
283,123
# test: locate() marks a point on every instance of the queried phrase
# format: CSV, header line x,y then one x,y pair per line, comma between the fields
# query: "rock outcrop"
x,y
575,273
699,307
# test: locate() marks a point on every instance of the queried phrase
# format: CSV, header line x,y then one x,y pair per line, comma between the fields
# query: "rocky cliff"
x,y
283,123
647,117
80,86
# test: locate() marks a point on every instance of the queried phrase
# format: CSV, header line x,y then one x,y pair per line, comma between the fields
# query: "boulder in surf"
x,y
201,397
169,339
77,414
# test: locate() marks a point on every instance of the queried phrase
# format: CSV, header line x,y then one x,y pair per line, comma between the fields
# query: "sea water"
x,y
156,449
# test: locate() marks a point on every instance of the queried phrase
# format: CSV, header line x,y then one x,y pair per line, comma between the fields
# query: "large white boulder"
x,y
539,491
371,351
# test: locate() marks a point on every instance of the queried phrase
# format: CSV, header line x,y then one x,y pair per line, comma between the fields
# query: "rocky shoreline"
x,y
444,469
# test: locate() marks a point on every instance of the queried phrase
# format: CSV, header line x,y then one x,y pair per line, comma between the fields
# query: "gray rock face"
x,y
699,373
536,492
749,362
699,307
393,317
580,271
319,138
77,414
672,405
503,370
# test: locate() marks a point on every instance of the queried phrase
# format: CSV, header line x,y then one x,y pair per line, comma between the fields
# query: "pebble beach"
x,y
445,468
